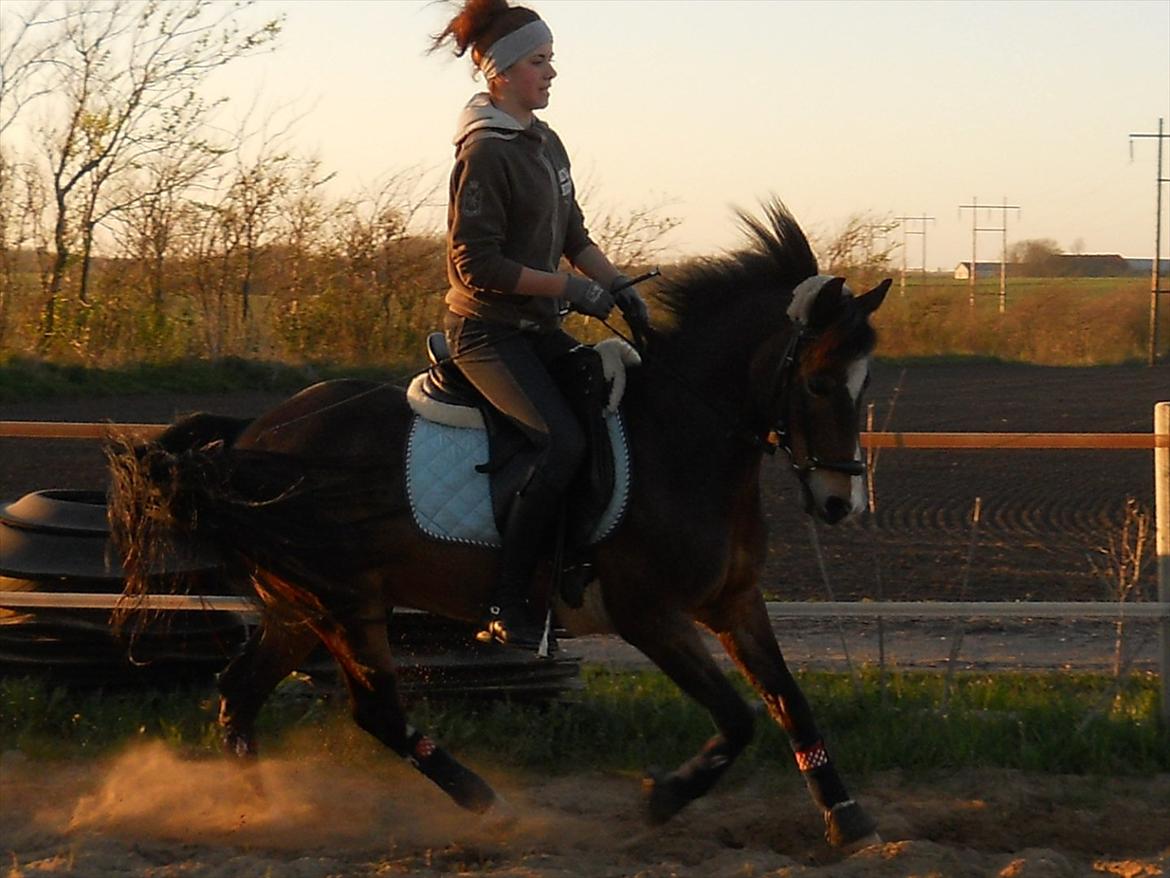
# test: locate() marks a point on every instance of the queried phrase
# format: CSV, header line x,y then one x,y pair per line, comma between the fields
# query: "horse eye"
x,y
819,385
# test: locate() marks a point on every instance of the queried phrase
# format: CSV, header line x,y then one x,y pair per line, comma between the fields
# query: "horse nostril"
x,y
835,510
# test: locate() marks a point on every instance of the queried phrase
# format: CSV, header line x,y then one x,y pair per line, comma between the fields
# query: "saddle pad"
x,y
450,501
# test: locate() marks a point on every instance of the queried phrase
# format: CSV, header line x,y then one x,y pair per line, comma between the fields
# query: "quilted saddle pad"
x,y
450,501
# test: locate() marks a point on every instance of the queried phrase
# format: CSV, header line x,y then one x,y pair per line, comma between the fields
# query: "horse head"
x,y
823,374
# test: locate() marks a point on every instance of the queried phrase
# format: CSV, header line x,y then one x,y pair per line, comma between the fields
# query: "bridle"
x,y
779,436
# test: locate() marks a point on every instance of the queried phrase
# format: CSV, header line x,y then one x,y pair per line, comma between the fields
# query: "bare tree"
x,y
636,237
23,241
1120,565
387,260
859,249
125,77
1038,256
631,237
151,205
29,44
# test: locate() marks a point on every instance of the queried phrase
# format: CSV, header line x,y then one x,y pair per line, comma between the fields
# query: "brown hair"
x,y
478,24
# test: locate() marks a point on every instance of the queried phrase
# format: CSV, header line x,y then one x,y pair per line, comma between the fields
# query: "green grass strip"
x,y
624,721
27,379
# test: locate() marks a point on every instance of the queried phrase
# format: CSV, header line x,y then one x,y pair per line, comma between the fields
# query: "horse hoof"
x,y
847,826
239,746
662,800
861,843
500,816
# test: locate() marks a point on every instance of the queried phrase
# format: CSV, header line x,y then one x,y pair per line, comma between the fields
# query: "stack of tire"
x,y
58,541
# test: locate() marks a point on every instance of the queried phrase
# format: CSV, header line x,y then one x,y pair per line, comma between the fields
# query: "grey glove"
x,y
628,299
588,297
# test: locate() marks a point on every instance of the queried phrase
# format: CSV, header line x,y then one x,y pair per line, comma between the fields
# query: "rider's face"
x,y
526,83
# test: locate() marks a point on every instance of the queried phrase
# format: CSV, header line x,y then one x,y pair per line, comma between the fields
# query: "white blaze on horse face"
x,y
855,380
826,484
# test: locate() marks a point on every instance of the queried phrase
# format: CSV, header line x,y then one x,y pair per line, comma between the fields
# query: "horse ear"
x,y
870,301
827,304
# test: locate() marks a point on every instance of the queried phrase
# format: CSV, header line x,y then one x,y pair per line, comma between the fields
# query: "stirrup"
x,y
517,630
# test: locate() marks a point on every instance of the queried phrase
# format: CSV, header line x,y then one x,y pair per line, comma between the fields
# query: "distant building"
x,y
1065,265
1089,265
984,269
1146,266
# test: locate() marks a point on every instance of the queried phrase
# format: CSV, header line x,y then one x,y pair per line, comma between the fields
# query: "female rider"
x,y
511,216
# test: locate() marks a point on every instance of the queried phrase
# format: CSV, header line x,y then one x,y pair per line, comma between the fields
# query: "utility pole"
x,y
919,231
872,231
1155,275
1002,229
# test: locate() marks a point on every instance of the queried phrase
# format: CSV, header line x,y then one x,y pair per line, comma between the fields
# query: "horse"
x,y
751,353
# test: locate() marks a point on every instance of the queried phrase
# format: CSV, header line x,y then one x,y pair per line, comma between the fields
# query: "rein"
x,y
779,435
744,434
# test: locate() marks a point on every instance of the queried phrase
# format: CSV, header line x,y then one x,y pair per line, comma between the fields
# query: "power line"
x,y
1002,229
1155,274
906,231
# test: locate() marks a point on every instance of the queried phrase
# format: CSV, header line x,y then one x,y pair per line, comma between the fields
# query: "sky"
x,y
838,108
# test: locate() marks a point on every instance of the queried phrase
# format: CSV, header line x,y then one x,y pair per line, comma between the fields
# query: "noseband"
x,y
780,435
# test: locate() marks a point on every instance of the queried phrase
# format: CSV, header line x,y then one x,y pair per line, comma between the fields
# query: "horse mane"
x,y
777,258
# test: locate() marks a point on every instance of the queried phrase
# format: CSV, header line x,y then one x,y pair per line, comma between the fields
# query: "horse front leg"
x,y
674,645
746,633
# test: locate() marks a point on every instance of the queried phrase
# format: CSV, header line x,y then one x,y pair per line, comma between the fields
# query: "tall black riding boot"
x,y
509,619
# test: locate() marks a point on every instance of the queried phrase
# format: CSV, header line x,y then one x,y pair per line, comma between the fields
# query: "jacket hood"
x,y
482,118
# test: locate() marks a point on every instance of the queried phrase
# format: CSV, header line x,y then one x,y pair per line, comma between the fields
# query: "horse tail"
x,y
264,516
162,500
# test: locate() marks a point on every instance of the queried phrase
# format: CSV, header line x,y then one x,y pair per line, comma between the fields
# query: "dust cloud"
x,y
311,811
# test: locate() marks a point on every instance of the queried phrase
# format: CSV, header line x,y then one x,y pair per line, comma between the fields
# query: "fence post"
x,y
1162,544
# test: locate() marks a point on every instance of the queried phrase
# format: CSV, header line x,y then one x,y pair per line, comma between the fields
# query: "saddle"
x,y
592,379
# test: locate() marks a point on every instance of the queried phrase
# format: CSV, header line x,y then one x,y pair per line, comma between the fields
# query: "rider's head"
x,y
510,45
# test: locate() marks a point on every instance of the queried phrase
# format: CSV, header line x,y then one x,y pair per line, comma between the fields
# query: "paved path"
x,y
913,645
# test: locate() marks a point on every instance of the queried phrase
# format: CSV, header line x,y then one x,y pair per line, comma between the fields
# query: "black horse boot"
x,y
509,619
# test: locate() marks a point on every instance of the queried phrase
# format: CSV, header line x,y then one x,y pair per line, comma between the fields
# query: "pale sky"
x,y
836,107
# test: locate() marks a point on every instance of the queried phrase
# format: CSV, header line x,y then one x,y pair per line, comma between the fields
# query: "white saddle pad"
x,y
450,501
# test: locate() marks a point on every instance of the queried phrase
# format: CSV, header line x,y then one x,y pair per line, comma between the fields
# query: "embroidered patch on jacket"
x,y
566,182
472,201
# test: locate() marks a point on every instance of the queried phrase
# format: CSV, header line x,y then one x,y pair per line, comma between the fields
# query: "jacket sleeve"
x,y
576,235
478,222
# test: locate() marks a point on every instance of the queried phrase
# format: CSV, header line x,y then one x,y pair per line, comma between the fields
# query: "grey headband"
x,y
510,48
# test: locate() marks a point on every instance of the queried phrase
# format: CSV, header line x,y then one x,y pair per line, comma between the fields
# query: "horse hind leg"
x,y
271,653
746,634
674,645
362,650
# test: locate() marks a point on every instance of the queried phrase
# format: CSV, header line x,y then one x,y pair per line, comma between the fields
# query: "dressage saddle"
x,y
510,455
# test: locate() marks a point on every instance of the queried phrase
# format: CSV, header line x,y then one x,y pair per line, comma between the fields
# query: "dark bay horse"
x,y
307,502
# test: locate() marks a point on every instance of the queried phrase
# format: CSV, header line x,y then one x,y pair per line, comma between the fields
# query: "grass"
x,y
1048,321
23,378
625,721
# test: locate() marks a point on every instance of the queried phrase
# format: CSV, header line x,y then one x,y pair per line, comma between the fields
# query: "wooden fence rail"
x,y
992,441
1158,441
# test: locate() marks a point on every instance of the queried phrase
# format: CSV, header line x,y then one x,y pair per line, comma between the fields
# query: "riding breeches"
x,y
510,368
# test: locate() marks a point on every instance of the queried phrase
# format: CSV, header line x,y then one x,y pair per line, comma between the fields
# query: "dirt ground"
x,y
154,812
149,812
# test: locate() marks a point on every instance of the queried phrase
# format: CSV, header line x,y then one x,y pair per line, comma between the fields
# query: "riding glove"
x,y
630,302
588,297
